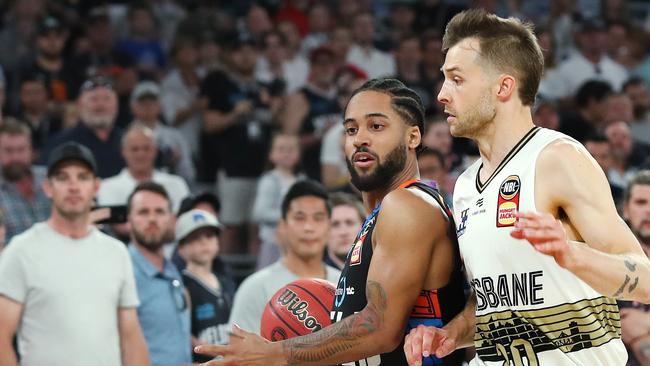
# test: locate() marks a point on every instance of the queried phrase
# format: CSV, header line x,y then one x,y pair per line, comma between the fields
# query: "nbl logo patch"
x,y
508,203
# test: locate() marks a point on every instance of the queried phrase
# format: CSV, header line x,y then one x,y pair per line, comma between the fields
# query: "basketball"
x,y
299,308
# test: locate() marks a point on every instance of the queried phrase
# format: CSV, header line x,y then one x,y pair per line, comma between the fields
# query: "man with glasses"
x,y
164,309
97,104
66,288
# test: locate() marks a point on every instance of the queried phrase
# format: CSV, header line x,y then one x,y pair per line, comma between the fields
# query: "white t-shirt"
x,y
257,290
115,190
374,62
71,290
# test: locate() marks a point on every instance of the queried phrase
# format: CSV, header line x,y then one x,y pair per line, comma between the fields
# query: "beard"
x,y
642,235
98,120
151,242
383,174
476,118
13,172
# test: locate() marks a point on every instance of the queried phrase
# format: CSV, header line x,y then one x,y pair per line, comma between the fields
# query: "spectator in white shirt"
x,y
589,63
139,151
364,54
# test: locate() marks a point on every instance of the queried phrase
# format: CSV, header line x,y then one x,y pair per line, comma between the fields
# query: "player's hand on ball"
x,y
545,233
424,341
245,348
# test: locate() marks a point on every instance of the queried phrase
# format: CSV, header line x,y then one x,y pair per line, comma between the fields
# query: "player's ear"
x,y
507,87
413,137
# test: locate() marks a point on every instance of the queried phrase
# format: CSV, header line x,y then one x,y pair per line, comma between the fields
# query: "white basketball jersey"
x,y
530,311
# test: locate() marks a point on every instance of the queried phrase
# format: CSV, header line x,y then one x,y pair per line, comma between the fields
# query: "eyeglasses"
x,y
96,82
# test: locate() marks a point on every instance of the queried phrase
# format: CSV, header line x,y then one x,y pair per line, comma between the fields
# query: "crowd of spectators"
x,y
224,105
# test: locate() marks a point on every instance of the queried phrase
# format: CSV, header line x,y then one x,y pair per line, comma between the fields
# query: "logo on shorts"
x,y
508,201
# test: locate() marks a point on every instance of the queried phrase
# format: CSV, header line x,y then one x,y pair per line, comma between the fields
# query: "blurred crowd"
x,y
226,104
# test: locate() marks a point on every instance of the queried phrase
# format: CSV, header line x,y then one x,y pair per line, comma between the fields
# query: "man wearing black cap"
x,y
49,62
98,107
63,280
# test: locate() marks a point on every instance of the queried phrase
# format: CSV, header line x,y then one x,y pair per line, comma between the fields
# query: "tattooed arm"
x,y
404,238
579,226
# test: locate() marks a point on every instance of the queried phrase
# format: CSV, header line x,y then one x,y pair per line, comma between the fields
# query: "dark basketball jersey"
x,y
433,307
209,309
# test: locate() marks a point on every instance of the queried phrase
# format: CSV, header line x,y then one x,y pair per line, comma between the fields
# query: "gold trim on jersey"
x,y
511,154
511,334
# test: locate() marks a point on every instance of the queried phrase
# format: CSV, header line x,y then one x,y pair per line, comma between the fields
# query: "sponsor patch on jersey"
x,y
355,257
508,203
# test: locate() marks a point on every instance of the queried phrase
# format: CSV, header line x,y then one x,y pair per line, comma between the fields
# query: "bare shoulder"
x,y
567,172
402,209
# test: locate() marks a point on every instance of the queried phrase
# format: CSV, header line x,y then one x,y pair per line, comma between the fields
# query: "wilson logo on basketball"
x,y
298,308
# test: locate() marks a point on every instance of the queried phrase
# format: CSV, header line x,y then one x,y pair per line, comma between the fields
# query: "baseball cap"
x,y
193,220
94,82
321,51
50,23
70,151
145,89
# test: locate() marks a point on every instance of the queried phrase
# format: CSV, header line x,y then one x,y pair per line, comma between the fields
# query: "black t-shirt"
x,y
107,153
433,307
209,309
241,149
322,111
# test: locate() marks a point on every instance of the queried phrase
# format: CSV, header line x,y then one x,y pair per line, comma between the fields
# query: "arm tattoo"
x,y
633,285
343,335
631,266
620,289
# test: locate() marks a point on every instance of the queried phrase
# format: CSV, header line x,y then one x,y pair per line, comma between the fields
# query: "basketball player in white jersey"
x,y
545,251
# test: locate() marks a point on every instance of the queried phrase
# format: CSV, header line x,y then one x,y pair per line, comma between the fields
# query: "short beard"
x,y
384,173
151,244
478,117
14,172
98,122
643,236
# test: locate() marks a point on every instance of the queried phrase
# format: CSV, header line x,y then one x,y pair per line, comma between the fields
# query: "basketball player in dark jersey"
x,y
404,267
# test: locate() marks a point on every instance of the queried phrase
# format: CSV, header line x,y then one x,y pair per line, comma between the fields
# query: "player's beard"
x,y
475,119
383,174
13,172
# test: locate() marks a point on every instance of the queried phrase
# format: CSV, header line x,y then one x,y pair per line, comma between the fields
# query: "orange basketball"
x,y
299,308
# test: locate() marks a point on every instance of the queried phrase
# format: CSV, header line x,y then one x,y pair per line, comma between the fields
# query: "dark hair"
x,y
641,178
190,202
347,199
433,152
506,44
148,186
634,80
302,188
12,126
590,90
596,137
405,101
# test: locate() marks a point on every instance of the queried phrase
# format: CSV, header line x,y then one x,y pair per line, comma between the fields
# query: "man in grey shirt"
x,y
65,287
305,225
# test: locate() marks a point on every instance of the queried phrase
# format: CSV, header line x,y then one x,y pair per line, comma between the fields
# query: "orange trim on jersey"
x,y
407,183
427,305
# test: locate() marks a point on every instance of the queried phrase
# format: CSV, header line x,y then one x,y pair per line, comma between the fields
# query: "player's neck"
x,y
372,199
305,267
75,228
501,135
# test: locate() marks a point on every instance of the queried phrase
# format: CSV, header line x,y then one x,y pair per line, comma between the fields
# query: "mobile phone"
x,y
110,214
